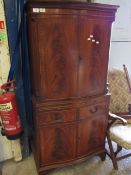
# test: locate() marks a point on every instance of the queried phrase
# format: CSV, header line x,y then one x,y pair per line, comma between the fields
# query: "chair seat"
x,y
121,135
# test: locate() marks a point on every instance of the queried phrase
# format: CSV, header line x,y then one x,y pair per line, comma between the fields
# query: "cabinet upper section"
x,y
69,48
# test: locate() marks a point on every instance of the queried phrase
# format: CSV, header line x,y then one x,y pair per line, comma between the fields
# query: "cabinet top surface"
x,y
71,5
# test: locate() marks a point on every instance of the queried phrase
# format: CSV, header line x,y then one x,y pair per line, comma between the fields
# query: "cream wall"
x,y
8,149
5,145
4,50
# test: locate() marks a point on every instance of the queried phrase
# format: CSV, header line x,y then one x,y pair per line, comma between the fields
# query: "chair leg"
x,y
119,148
112,154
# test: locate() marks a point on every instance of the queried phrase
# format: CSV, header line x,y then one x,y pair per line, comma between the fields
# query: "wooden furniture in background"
x,y
69,50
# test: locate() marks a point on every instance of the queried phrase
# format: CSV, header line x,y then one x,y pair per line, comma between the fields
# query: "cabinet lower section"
x,y
69,135
47,169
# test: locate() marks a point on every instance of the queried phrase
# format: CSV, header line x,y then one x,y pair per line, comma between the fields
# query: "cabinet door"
x,y
57,47
57,143
94,40
91,133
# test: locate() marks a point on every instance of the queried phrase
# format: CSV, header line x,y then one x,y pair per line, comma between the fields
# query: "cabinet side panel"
x,y
34,56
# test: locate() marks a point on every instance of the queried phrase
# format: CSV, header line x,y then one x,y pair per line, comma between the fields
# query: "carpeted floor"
x,y
93,166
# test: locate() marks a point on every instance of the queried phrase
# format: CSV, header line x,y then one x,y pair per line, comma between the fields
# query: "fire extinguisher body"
x,y
10,116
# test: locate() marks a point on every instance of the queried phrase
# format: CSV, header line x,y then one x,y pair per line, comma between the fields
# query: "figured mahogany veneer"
x,y
69,49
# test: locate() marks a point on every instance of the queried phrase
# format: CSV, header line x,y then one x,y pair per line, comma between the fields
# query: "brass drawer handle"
x,y
93,109
57,117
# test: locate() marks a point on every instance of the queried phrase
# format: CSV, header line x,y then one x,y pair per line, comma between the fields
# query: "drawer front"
x,y
56,116
95,109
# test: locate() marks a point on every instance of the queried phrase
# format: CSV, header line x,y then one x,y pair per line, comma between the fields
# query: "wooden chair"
x,y
119,127
119,131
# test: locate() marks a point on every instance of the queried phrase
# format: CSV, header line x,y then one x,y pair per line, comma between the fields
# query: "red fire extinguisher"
x,y
11,124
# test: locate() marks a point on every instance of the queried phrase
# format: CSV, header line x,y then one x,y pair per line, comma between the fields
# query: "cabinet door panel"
x,y
58,52
94,39
57,143
91,135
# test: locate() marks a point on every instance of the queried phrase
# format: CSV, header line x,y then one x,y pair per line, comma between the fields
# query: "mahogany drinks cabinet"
x,y
69,49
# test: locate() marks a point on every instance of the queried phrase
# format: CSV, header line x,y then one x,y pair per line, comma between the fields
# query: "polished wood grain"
x,y
69,49
56,116
34,58
91,110
58,54
57,143
93,55
65,68
92,127
91,134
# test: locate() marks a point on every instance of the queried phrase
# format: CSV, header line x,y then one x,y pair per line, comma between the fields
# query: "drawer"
x,y
95,109
56,116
